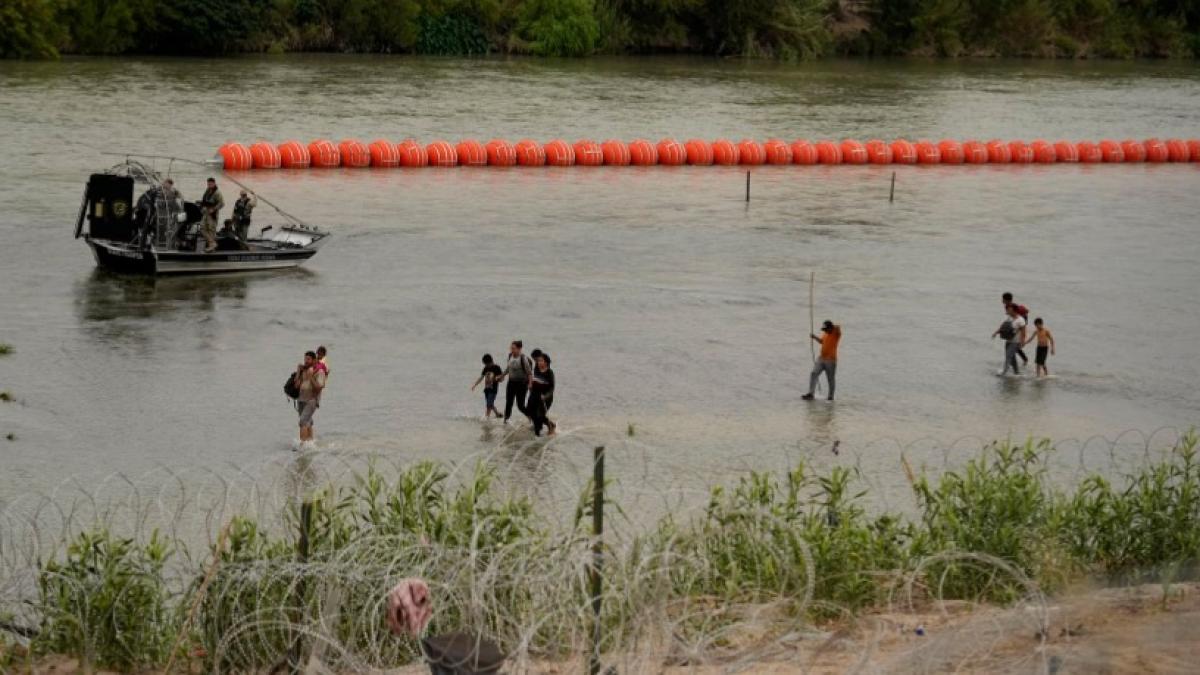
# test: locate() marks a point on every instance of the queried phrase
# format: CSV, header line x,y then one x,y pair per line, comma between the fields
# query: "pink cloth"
x,y
409,607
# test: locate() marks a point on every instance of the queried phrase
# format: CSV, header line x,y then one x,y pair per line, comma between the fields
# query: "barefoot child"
x,y
490,377
1045,343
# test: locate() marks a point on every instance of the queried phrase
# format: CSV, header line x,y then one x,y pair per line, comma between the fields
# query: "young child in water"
x,y
1045,343
490,377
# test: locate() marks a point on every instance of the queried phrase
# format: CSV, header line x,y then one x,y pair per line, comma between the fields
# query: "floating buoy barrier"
x,y
412,153
500,153
441,153
951,152
778,152
829,152
263,155
471,153
354,154
236,156
530,153
324,154
559,153
588,153
878,152
381,153
804,153
928,153
643,153
293,155
699,152
671,152
615,152
903,152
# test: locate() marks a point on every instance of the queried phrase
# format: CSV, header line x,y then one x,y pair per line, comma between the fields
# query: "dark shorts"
x,y
489,397
1041,355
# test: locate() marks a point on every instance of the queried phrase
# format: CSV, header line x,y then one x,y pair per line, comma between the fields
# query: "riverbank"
x,y
771,559
787,30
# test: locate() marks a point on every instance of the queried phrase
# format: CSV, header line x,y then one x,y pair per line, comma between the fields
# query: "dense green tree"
x,y
104,26
204,26
27,30
558,27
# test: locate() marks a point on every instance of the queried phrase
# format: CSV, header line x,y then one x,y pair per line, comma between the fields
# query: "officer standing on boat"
x,y
241,214
211,204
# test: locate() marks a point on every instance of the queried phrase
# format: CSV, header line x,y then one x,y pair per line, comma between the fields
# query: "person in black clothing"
x,y
541,395
490,377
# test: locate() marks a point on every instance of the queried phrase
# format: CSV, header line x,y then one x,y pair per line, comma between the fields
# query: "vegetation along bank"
x,y
787,30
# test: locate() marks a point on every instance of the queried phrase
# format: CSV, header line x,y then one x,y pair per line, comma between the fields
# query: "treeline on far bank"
x,y
778,29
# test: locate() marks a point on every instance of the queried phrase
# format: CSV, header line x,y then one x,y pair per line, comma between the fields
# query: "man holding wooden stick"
x,y
827,363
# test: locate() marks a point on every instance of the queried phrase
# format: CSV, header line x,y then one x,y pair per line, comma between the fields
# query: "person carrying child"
x,y
490,377
1045,345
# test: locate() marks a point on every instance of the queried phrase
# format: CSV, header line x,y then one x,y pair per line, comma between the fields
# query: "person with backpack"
x,y
1007,299
518,372
309,381
1012,331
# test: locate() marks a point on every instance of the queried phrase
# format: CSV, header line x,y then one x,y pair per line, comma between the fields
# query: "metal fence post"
x,y
597,553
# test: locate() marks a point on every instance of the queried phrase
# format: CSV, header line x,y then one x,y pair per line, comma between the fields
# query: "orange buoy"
x,y
236,157
383,154
1156,150
853,152
998,152
471,153
804,153
1134,151
1177,150
724,152
588,153
263,155
878,152
530,153
951,151
671,152
1194,149
500,152
642,153
751,153
777,151
442,154
1043,152
293,155
1021,152
616,153
928,153
699,152
903,152
1112,152
559,153
412,153
974,152
354,153
829,152
1088,152
324,154
1066,152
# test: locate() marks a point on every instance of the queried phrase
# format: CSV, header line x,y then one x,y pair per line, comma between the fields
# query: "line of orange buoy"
x,y
381,153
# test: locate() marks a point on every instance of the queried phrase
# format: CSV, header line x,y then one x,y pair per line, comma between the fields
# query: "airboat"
x,y
159,232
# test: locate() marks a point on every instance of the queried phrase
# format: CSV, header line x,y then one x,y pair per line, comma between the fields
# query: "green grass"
x,y
6,349
802,539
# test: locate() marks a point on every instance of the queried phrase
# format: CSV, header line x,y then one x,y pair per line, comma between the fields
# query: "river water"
x,y
669,304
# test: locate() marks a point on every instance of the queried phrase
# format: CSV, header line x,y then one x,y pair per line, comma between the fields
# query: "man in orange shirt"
x,y
827,363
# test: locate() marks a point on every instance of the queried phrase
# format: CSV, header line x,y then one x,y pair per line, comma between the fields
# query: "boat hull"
x,y
123,258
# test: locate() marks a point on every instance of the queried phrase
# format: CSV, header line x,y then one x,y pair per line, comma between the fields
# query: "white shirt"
x,y
1018,322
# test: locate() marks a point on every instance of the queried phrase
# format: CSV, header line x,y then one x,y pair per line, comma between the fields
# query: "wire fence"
x,y
729,564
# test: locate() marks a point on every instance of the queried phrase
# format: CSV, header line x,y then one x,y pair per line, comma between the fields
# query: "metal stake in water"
x,y
892,194
747,187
